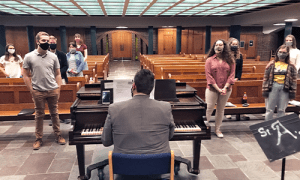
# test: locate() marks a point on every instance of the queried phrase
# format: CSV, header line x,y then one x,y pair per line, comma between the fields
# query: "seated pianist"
x,y
140,125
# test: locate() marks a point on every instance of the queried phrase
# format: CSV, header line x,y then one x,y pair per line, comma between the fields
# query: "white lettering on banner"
x,y
281,130
277,125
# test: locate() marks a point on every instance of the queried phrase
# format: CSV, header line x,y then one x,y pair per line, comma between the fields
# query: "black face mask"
x,y
233,48
44,46
52,46
282,55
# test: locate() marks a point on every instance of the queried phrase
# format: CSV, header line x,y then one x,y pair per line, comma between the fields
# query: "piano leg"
x,y
196,155
80,158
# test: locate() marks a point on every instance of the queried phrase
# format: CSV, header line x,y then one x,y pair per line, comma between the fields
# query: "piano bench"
x,y
100,166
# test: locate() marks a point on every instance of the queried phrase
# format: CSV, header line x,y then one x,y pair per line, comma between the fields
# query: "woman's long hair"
x,y
226,53
237,53
293,39
78,35
7,53
287,59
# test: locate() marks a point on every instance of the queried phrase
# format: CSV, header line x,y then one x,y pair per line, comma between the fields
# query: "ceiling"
x,y
136,8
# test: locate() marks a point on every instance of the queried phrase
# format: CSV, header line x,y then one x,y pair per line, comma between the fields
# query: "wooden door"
x,y
248,45
167,41
192,42
121,45
168,44
198,42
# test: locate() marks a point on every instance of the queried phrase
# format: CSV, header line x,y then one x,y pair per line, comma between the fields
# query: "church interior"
x,y
172,39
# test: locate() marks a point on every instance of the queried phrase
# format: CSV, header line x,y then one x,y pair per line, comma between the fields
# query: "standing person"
x,y
235,50
290,41
219,71
11,62
75,61
279,83
80,46
61,58
44,86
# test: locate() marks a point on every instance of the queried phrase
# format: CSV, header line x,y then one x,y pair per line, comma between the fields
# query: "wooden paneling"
x,y
167,41
192,41
18,37
121,44
184,41
219,33
248,47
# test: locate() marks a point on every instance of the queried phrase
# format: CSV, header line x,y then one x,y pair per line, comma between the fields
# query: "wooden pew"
x,y
186,69
12,81
202,77
14,98
76,80
253,89
100,63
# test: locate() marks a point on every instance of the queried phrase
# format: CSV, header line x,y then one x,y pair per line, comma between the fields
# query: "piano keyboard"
x,y
179,127
188,126
92,130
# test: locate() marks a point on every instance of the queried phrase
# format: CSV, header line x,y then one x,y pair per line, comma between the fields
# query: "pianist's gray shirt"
x,y
139,126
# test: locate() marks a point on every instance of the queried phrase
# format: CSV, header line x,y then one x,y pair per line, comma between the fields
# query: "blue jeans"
x,y
277,97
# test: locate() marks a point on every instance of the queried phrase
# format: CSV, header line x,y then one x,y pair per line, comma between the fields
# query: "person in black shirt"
x,y
234,45
61,57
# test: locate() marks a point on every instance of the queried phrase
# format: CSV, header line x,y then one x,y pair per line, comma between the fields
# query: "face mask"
x,y
72,50
44,46
233,48
289,43
77,40
52,46
218,49
11,51
282,55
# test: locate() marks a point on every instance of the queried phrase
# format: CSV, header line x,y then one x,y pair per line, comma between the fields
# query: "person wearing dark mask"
x,y
279,83
44,86
219,71
11,63
75,62
238,57
290,41
61,57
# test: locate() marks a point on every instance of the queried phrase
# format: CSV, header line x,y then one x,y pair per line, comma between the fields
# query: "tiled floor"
x,y
235,157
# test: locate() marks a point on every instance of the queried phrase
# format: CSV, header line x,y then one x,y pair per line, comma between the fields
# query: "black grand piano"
x,y
88,118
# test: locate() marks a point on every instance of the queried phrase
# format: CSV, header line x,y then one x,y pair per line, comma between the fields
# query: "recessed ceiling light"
x,y
122,27
279,24
291,20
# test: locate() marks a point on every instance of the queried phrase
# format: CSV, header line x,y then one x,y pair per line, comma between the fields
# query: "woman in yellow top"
x,y
280,83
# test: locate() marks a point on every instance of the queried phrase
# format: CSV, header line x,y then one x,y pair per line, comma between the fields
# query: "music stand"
x,y
165,90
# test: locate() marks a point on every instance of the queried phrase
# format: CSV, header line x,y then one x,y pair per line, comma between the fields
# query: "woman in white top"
x,y
11,63
290,41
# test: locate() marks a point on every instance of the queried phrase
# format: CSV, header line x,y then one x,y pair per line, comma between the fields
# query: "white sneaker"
x,y
219,134
228,116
